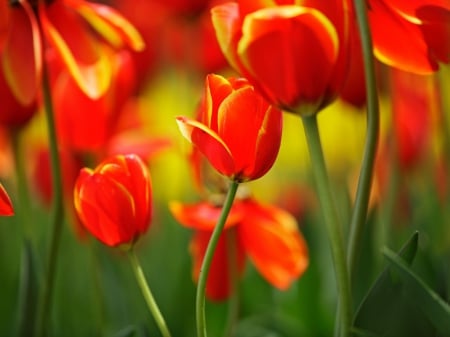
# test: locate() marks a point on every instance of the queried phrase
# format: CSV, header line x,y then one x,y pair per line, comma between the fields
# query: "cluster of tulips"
x,y
83,68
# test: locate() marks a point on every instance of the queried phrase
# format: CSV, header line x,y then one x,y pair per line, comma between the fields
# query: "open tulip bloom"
x,y
266,234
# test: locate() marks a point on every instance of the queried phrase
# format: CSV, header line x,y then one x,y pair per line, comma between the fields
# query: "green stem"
x,y
331,220
149,299
365,179
204,270
57,210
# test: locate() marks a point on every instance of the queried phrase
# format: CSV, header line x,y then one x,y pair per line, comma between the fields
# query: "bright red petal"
x,y
398,42
271,238
6,207
4,22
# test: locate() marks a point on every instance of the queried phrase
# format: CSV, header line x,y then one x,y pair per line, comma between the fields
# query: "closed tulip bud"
x,y
113,201
237,130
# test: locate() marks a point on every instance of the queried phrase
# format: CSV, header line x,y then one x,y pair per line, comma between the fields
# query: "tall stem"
x,y
206,264
146,292
359,214
57,210
331,220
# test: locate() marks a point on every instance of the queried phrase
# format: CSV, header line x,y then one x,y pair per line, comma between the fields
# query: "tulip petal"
x,y
96,201
22,54
217,88
397,42
87,62
242,120
276,247
4,22
412,9
6,207
110,24
218,286
295,42
203,216
227,24
209,143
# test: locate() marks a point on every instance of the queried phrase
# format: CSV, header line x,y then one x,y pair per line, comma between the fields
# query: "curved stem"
x,y
57,211
331,220
204,270
359,214
146,292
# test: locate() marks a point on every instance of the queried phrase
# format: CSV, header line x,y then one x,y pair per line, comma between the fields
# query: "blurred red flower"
x,y
268,235
64,25
6,207
114,201
237,130
297,56
412,35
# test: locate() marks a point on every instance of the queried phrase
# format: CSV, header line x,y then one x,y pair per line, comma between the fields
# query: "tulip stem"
x,y
57,210
334,229
359,214
146,292
209,254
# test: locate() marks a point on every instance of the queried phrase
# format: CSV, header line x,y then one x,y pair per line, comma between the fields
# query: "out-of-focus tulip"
x,y
237,131
267,235
4,22
413,36
63,24
86,124
6,207
114,201
297,56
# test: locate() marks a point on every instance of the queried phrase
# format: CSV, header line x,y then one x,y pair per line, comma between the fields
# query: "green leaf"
x,y
383,309
431,305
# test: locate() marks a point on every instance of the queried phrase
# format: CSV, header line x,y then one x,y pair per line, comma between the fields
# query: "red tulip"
x,y
114,201
237,131
63,24
297,56
412,35
6,207
86,124
267,235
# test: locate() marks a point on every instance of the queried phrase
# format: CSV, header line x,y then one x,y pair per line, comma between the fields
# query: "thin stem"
x,y
331,220
204,270
58,207
146,292
359,214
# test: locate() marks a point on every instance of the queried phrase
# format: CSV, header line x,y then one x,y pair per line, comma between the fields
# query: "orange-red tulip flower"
x,y
297,56
267,235
6,207
114,201
412,35
64,26
237,131
86,124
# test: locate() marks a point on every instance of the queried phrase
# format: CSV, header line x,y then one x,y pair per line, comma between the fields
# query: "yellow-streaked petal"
x,y
86,59
110,24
